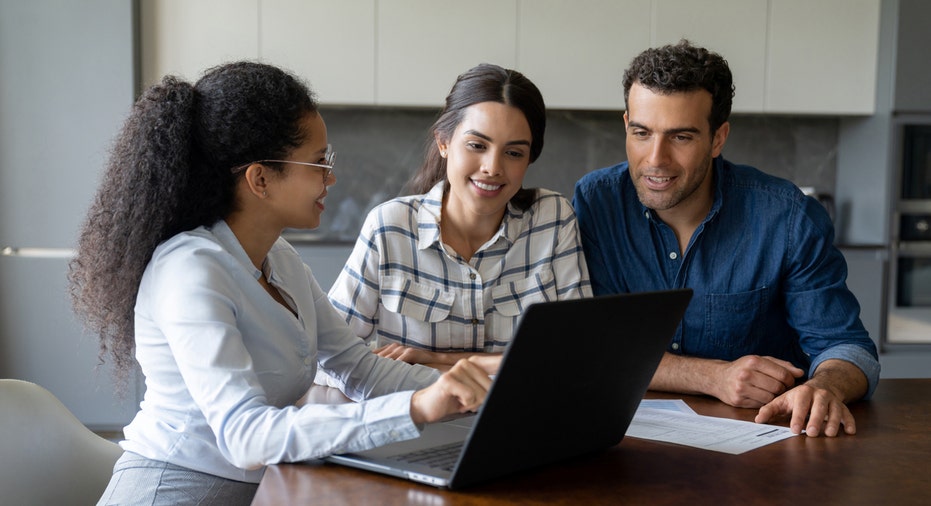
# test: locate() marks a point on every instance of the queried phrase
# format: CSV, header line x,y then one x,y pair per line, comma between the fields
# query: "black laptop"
x,y
569,384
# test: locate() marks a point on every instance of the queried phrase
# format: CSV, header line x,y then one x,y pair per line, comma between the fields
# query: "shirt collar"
x,y
222,231
431,208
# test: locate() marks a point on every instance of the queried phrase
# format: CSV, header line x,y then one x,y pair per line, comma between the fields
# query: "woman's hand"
x,y
460,390
442,361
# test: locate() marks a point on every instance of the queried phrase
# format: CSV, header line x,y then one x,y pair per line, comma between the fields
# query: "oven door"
x,y
910,305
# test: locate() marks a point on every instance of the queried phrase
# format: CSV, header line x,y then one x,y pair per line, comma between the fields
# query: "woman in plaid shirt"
x,y
445,273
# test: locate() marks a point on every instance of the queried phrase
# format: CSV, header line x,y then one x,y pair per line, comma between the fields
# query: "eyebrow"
x,y
487,138
634,124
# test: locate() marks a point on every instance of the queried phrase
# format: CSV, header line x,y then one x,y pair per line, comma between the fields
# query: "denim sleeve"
x,y
820,307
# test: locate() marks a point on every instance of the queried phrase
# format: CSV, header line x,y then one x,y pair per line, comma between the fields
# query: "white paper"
x,y
671,424
669,404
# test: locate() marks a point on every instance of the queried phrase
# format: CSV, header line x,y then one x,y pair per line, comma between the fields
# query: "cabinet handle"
x,y
11,251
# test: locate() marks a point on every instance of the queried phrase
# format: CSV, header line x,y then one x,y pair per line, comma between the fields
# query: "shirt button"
x,y
474,321
646,214
472,276
675,346
673,255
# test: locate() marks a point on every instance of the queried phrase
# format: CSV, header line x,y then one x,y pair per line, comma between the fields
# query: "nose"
x,y
330,179
659,151
491,162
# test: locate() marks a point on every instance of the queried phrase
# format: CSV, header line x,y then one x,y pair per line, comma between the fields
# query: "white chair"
x,y
47,456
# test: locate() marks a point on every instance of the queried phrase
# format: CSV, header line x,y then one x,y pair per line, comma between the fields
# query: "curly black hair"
x,y
681,68
483,83
169,171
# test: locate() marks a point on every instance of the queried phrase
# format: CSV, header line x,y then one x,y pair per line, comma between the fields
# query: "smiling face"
x,y
486,159
670,149
297,196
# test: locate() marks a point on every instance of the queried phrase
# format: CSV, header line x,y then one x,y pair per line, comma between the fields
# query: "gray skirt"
x,y
138,480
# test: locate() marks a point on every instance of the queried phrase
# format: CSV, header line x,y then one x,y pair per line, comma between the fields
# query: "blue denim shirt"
x,y
766,277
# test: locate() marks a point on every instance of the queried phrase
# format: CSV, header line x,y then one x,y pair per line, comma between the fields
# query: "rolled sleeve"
x,y
857,356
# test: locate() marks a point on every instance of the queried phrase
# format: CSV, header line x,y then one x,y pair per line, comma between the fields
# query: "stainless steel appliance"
x,y
909,319
68,82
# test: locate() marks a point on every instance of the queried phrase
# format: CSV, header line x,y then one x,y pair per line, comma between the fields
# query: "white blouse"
x,y
224,363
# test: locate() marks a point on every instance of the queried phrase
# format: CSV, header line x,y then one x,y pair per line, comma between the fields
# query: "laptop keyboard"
x,y
440,457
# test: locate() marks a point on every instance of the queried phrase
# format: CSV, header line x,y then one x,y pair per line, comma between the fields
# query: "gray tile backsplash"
x,y
379,148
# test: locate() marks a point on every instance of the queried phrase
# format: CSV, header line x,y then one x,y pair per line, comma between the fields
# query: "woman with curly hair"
x,y
180,262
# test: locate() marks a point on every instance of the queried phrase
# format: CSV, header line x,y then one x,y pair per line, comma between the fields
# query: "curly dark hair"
x,y
681,68
169,171
483,83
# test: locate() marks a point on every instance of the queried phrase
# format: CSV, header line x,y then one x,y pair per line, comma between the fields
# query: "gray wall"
x,y
379,149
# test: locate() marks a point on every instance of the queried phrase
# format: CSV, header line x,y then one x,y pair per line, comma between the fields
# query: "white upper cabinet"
x,y
330,44
822,56
185,38
576,51
787,56
423,45
736,29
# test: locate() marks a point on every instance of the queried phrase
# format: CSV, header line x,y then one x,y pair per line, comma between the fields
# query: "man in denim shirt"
x,y
772,324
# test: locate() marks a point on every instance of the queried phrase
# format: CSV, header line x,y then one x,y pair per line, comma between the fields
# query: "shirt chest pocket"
x,y
735,322
416,312
415,300
511,299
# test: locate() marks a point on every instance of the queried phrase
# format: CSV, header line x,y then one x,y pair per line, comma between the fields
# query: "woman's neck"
x,y
255,238
466,233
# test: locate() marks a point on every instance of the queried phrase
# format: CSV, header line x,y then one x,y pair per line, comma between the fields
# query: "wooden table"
x,y
888,461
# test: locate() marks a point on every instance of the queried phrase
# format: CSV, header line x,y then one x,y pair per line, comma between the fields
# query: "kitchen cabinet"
x,y
331,44
866,278
912,74
185,38
822,57
575,51
788,56
736,29
423,45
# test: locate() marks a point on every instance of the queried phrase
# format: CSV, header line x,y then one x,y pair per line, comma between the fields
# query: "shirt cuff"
x,y
857,356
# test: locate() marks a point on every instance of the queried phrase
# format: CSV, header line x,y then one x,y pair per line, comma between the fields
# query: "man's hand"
x,y
821,400
753,381
824,410
460,390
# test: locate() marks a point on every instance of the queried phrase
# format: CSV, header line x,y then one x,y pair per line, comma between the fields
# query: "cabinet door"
x,y
576,51
735,29
822,56
185,38
866,278
331,44
423,45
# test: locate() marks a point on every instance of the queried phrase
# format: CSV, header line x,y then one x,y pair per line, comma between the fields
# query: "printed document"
x,y
673,421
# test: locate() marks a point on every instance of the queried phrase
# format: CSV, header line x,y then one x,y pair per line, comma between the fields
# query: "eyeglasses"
x,y
329,160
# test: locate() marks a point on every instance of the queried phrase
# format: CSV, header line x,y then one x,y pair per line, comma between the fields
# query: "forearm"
x,y
451,357
844,379
686,375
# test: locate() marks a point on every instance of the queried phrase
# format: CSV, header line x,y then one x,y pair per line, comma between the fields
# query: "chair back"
x,y
47,456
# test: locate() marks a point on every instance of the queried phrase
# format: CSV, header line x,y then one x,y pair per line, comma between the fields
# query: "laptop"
x,y
569,384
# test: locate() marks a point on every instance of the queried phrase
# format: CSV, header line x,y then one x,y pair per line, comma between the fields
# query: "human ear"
x,y
720,137
256,178
441,145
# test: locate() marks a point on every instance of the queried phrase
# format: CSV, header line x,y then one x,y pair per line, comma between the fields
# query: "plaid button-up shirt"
x,y
402,284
